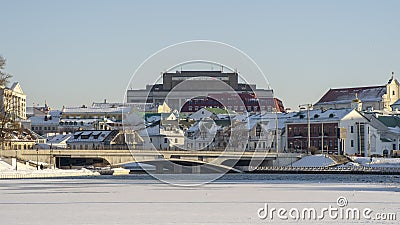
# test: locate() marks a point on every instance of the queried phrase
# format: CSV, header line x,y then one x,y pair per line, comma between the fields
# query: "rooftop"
x,y
346,95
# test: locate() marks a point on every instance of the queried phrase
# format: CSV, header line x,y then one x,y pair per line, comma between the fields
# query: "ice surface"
x,y
124,201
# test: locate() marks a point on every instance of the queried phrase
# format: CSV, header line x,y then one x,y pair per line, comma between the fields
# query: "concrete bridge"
x,y
164,160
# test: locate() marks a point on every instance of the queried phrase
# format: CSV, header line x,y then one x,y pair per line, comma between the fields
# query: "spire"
x,y
391,78
356,103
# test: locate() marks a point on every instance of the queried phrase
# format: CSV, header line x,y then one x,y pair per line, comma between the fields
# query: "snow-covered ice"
x,y
314,161
125,201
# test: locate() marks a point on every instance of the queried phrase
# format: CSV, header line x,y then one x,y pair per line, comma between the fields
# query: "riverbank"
x,y
46,173
25,171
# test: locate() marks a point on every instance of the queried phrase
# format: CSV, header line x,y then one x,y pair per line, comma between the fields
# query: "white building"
x,y
202,136
46,124
338,131
153,131
13,100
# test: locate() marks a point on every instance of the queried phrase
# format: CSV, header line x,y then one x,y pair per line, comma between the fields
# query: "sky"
x,y
70,53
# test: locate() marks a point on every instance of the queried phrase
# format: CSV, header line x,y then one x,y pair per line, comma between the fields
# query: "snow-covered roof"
x,y
204,125
44,120
91,136
16,87
201,113
57,139
21,135
346,95
320,115
93,110
55,113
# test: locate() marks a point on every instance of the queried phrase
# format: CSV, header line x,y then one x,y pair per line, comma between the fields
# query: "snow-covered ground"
x,y
376,162
5,166
321,161
314,161
124,201
25,171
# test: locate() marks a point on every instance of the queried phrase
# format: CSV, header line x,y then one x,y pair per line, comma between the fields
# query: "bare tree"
x,y
7,112
4,77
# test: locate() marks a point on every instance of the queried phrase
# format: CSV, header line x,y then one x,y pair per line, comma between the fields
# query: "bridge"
x,y
164,161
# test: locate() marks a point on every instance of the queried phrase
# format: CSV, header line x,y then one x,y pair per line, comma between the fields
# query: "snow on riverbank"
x,y
314,161
321,161
376,162
24,171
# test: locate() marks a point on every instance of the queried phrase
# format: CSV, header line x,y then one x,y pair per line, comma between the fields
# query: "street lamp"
x,y
276,130
37,159
50,154
16,159
308,106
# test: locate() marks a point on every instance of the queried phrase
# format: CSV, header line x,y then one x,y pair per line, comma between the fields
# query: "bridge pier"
x,y
159,168
177,169
196,169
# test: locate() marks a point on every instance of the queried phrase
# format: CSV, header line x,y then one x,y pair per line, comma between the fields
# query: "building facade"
x,y
340,131
188,91
13,101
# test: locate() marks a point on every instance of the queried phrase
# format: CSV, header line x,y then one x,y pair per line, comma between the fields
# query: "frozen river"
x,y
233,199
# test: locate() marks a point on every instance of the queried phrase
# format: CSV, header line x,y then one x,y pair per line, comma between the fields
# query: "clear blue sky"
x,y
76,52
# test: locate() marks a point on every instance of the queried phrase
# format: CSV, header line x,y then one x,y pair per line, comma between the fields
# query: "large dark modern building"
x,y
188,91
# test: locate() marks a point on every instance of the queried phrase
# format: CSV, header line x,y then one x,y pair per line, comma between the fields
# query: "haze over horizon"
x,y
78,52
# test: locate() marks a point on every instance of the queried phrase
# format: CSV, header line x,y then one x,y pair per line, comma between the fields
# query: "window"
x,y
352,143
351,129
394,93
165,140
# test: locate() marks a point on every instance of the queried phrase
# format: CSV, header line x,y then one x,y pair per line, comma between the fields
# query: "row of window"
x,y
14,146
236,108
44,128
71,123
314,130
314,143
115,117
165,140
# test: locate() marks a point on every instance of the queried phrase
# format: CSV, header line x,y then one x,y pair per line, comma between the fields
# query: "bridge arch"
x,y
185,166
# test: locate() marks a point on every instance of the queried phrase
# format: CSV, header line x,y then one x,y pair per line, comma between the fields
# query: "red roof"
x,y
344,95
